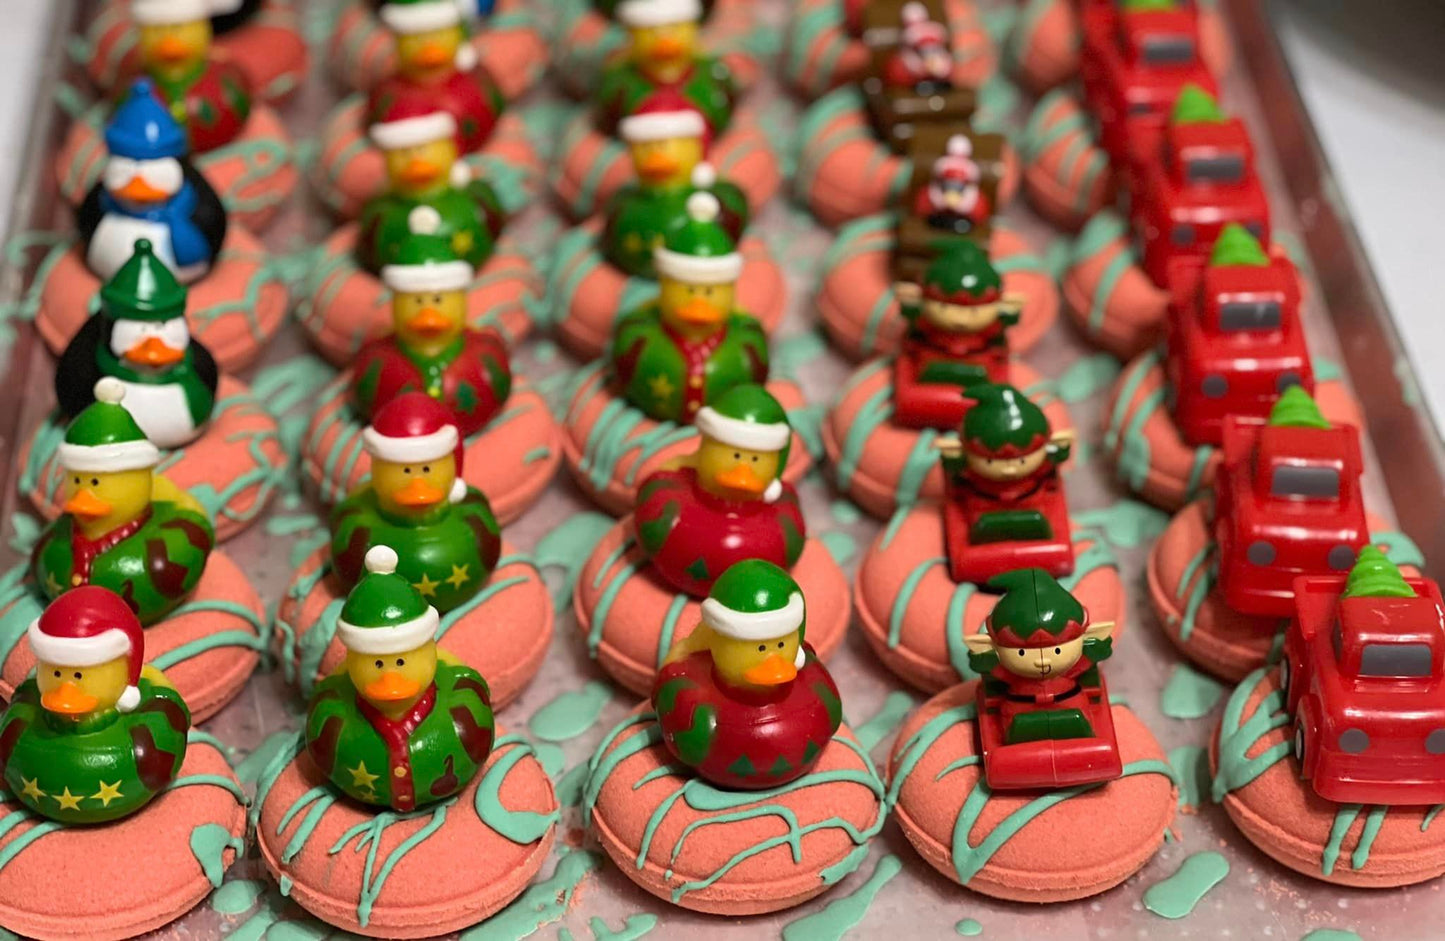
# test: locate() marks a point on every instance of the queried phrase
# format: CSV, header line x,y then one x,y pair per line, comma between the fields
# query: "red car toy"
x,y
970,559
1363,678
1050,762
1287,503
1237,341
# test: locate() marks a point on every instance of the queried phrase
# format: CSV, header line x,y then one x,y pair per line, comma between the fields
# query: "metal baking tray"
x,y
1347,321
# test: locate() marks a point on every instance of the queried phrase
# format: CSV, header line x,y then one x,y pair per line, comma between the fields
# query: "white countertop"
x,y
1369,72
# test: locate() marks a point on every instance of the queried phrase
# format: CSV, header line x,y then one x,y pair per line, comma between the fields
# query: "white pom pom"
x,y
424,220
460,175
381,560
915,12
110,390
704,175
128,699
774,491
959,145
703,207
458,492
800,659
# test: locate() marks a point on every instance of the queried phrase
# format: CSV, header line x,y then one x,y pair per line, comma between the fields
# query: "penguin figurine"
x,y
149,189
139,336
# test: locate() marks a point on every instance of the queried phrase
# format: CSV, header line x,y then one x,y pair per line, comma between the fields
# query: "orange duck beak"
x,y
391,687
139,191
656,166
667,48
86,505
419,172
419,494
153,351
67,699
774,671
429,322
173,49
431,55
742,478
699,312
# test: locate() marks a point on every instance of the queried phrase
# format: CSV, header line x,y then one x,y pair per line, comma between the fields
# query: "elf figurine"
x,y
140,338
1004,505
683,350
666,141
437,67
149,189
728,501
122,527
954,201
417,502
1043,710
419,145
957,337
922,63
400,724
92,735
742,701
664,53
209,97
431,349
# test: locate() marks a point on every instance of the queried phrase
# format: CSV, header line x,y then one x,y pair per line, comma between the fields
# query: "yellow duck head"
x,y
174,36
428,283
109,464
88,648
752,627
415,452
666,140
744,442
698,267
413,489
420,153
431,39
664,36
389,632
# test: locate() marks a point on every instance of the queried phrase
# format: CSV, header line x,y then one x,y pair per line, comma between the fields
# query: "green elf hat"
x,y
1195,106
104,438
1236,246
420,16
755,600
1296,409
699,251
1003,422
143,289
641,14
1035,611
747,416
962,274
425,260
1375,576
384,614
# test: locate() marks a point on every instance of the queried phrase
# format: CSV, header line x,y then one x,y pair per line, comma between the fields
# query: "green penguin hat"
x,y
143,289
756,600
747,416
384,614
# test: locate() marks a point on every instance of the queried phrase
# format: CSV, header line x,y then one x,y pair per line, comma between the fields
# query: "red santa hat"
x,y
410,120
412,428
919,29
664,115
88,626
957,162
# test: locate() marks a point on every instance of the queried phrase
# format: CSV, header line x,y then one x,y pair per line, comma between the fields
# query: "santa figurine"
x,y
923,60
953,201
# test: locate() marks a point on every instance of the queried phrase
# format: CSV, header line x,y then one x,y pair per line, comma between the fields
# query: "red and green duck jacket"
x,y
472,376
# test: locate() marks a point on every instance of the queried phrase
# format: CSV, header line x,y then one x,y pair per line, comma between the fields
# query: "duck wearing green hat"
x,y
684,349
140,338
121,526
401,724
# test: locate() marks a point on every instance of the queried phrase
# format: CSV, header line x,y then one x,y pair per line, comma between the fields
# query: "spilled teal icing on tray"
x,y
1189,694
842,914
571,713
1176,896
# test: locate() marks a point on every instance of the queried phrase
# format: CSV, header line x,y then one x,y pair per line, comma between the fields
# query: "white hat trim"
x,y
421,17
755,436
399,638
458,492
77,651
430,447
760,625
716,269
644,13
431,276
662,125
411,132
161,12
108,458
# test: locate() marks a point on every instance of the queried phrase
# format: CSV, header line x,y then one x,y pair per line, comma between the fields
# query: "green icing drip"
x,y
238,896
571,713
1177,895
1128,524
636,926
209,843
969,928
1189,694
368,836
1130,447
1088,376
1345,818
567,546
1331,934
1191,763
1237,736
843,914
551,756
840,545
569,789
881,724
543,902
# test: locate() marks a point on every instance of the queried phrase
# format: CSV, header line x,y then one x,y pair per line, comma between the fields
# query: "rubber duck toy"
x,y
208,96
958,321
664,53
683,350
742,700
423,168
417,502
149,189
954,201
122,526
400,724
139,337
431,349
922,63
728,501
666,141
437,67
93,735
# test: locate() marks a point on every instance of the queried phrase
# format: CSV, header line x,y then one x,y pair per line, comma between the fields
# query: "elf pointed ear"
x,y
1099,631
978,643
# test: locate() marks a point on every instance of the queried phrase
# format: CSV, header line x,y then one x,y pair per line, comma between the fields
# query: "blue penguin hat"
x,y
142,128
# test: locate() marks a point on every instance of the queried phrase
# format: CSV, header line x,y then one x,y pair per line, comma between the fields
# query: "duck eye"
x,y
380,664
762,647
1021,653
77,674
781,643
426,468
401,661
1058,650
77,481
95,481
436,298
737,455
755,458
57,674
406,470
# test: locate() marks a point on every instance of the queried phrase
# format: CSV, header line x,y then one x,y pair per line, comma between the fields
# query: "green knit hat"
x,y
1375,576
425,260
384,614
1195,106
699,251
1295,409
143,289
104,437
1035,610
747,416
1236,246
756,601
961,273
1003,422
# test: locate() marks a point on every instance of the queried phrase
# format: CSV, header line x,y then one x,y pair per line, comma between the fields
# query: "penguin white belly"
x,y
162,413
114,242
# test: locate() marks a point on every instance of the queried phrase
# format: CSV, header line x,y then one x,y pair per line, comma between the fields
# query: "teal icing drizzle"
x,y
1177,895
636,926
840,545
727,806
1088,376
237,896
844,512
1331,934
969,928
1127,524
1430,817
843,914
1345,818
1189,694
571,713
881,724
1191,764
209,843
368,835
543,902
1238,735
551,756
569,789
567,546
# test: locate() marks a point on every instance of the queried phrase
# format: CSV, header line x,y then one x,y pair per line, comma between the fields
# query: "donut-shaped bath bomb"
x,y
1066,174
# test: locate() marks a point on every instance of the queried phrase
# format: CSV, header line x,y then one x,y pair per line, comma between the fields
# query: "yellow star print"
x,y
107,793
662,387
462,242
67,800
32,789
632,241
459,576
362,778
426,586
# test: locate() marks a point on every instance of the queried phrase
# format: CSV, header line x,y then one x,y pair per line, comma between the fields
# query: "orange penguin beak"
x,y
391,687
774,671
139,191
153,351
699,312
429,322
419,171
172,49
86,505
419,493
743,478
67,699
